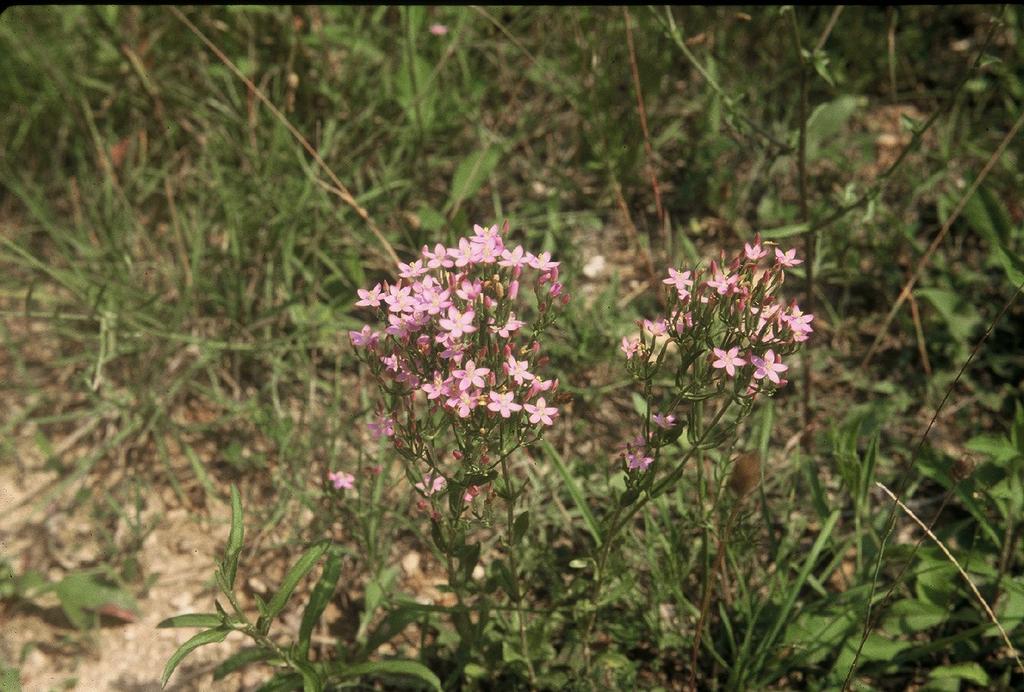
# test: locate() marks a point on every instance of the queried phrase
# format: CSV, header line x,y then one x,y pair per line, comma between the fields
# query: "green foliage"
x,y
177,281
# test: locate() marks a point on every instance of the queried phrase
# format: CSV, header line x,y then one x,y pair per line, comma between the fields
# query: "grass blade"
x,y
574,490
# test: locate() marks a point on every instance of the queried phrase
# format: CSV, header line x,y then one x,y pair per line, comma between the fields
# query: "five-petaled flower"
x,y
769,366
541,412
787,259
457,323
340,479
470,376
503,404
728,360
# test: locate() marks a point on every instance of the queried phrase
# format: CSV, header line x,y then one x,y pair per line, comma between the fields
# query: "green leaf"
x,y
208,637
971,671
412,669
282,682
784,231
318,601
299,570
193,620
520,527
827,121
911,615
234,549
574,491
252,654
82,593
471,174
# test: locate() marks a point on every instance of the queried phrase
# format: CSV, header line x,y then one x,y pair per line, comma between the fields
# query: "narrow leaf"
x,y
234,548
299,570
574,491
413,669
318,601
193,620
207,637
253,654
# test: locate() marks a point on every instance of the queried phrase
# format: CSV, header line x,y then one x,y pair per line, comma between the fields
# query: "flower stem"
x,y
517,595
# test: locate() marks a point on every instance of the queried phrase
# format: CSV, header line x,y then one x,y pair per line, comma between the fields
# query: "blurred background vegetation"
x,y
178,275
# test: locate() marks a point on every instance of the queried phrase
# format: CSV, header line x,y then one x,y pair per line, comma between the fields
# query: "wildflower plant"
x,y
723,342
456,354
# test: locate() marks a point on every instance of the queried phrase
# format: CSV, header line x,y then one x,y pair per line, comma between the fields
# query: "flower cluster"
x,y
729,331
458,355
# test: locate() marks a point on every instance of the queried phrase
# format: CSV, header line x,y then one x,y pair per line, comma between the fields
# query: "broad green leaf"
x,y
471,174
193,620
827,121
234,548
82,593
208,637
911,615
520,527
412,669
318,601
299,570
970,671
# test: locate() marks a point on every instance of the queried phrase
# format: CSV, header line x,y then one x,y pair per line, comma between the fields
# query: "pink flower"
x,y
465,254
369,299
787,259
471,492
638,461
503,404
464,403
384,426
770,366
630,346
657,328
340,480
431,484
514,258
542,262
437,259
663,421
436,388
541,412
411,271
469,290
512,325
516,369
438,29
724,284
488,248
470,376
457,323
364,337
680,280
399,299
489,233
754,252
728,360
433,302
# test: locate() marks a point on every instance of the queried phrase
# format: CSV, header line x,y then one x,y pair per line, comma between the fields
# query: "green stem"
x,y
516,594
621,517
